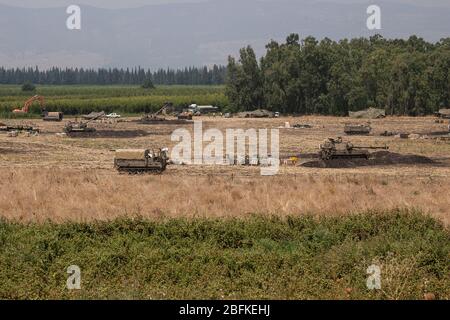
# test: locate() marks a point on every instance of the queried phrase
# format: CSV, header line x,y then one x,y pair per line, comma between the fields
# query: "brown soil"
x,y
381,158
164,122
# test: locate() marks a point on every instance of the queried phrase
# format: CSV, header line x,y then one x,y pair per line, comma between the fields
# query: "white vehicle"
x,y
113,115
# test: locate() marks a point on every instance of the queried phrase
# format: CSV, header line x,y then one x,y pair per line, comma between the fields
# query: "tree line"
x,y
404,77
114,76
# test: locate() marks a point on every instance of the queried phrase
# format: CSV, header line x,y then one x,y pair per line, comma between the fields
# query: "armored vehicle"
x,y
72,127
155,118
77,127
357,129
141,160
337,149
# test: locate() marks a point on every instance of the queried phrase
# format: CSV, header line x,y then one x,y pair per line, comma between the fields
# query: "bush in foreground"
x,y
253,258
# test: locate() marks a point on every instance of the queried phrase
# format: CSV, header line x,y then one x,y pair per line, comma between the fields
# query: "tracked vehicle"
x,y
337,149
357,129
77,127
141,160
74,127
155,118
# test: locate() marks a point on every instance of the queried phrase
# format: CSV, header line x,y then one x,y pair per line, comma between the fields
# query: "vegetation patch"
x,y
77,100
296,257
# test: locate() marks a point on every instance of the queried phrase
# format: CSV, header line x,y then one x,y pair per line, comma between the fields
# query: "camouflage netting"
x,y
131,154
94,115
260,113
371,113
444,112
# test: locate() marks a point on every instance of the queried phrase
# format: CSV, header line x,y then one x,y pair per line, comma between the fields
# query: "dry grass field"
x,y
224,232
47,177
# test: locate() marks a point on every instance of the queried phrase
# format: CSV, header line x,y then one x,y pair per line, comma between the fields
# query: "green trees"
x,y
244,81
402,76
148,84
114,76
438,74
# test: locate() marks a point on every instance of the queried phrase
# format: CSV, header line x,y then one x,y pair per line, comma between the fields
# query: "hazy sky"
x,y
95,3
194,32
138,3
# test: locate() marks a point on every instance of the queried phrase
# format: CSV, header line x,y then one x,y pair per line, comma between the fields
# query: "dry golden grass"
x,y
33,195
48,177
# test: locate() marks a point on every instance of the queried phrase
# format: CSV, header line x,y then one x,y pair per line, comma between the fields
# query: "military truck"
x,y
337,149
140,160
357,129
52,116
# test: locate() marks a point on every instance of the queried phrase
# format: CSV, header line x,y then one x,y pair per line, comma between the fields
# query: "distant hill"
x,y
203,33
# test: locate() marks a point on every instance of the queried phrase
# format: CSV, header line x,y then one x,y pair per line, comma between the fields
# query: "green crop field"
x,y
257,257
75,100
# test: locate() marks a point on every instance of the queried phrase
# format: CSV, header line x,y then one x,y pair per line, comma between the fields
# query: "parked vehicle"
x,y
113,115
141,160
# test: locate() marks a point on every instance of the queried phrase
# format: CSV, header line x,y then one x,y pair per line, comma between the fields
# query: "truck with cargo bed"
x,y
140,160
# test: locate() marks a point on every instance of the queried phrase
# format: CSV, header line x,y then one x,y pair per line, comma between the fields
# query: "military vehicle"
x,y
52,116
27,128
186,115
302,126
443,113
94,115
77,127
337,149
357,129
155,118
72,127
260,113
141,160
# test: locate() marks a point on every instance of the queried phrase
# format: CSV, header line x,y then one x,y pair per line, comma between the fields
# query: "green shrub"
x,y
28,86
148,84
299,257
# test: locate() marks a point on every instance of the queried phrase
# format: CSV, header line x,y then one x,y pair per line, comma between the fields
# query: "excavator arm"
x,y
29,102
165,106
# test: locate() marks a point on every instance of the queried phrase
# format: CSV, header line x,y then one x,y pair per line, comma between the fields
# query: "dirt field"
x,y
72,178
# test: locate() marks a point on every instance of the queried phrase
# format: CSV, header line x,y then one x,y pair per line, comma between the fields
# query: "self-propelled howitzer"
x,y
337,149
